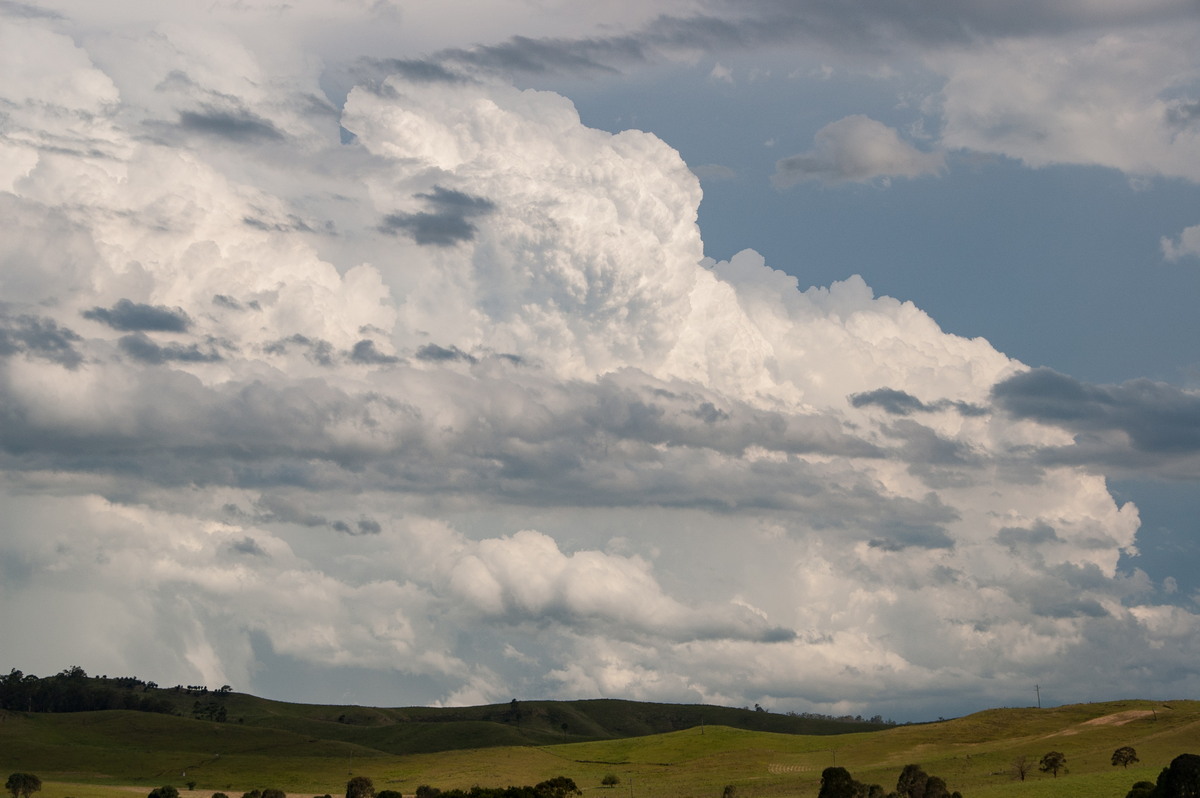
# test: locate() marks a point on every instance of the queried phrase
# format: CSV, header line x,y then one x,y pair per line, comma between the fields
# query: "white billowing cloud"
x,y
1120,99
557,266
856,149
1186,244
459,398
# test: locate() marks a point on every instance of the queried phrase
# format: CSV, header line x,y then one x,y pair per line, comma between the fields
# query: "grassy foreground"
x,y
117,754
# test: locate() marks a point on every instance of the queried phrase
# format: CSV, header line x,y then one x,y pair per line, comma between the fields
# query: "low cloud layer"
x,y
432,380
1131,428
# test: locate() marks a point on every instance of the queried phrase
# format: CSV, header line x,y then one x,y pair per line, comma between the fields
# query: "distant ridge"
x,y
405,730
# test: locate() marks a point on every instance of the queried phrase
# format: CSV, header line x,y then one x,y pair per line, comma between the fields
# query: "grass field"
x,y
117,754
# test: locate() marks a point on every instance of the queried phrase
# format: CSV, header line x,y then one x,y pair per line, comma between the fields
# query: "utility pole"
x,y
1038,687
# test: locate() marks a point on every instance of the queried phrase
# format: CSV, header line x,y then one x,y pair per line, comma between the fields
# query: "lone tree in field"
x,y
1052,763
1021,767
610,780
23,785
1124,756
165,791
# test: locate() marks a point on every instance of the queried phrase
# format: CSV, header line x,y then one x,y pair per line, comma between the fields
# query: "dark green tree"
x,y
610,780
1141,789
360,787
912,781
389,794
837,782
935,787
557,787
271,792
165,791
1053,762
1124,756
1179,780
22,785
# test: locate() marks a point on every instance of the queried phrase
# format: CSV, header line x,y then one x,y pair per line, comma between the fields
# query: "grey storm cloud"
x,y
416,70
585,441
1156,417
293,223
1016,537
128,316
899,536
364,526
862,24
15,9
316,350
39,337
247,546
539,56
446,223
232,303
902,403
367,353
1183,114
239,126
440,354
140,347
274,508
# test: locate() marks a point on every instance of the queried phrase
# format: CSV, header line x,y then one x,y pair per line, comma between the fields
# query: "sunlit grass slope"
x,y
78,755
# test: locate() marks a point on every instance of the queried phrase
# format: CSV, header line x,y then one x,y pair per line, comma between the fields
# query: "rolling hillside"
x,y
311,750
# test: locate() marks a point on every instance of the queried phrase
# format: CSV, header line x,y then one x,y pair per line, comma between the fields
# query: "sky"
x,y
836,357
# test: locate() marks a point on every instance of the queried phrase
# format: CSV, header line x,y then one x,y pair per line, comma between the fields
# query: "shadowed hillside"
x,y
400,730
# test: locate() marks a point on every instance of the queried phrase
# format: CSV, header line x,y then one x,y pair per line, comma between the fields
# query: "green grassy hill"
x,y
309,750
417,729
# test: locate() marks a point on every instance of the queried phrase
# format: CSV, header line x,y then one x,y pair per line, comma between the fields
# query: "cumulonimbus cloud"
x,y
534,443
